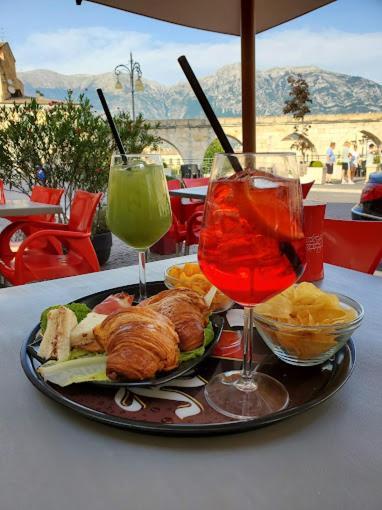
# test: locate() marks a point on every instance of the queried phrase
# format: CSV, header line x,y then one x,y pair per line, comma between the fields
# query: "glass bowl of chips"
x,y
305,326
190,275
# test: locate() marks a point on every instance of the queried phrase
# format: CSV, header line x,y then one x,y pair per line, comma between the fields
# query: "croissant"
x,y
139,343
186,309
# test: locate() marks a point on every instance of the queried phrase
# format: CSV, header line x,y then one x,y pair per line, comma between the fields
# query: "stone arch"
x,y
171,155
236,145
292,137
370,137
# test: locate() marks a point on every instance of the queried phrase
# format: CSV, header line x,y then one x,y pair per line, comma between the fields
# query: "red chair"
x,y
2,195
305,187
191,205
177,231
353,244
77,255
175,237
194,225
193,183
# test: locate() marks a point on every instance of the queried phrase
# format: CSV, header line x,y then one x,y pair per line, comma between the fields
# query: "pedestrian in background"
x,y
353,163
346,155
330,160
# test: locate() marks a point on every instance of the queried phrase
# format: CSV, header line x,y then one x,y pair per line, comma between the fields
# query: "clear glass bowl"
x,y
220,303
308,345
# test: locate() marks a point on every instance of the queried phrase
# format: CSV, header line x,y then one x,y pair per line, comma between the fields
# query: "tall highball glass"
x,y
251,248
139,210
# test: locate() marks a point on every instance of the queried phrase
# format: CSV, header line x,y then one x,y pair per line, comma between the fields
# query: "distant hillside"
x,y
331,92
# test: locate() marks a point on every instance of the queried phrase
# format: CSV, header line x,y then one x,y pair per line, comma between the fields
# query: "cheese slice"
x,y
83,334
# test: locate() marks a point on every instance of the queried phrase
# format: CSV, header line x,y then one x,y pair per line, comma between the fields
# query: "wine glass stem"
x,y
246,381
142,275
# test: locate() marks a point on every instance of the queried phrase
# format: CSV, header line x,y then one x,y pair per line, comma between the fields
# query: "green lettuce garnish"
x,y
84,369
79,309
208,337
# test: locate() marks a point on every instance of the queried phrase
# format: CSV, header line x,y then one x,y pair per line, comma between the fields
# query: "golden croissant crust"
x,y
186,309
139,343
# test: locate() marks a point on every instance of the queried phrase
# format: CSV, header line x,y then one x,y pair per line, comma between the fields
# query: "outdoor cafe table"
x,y
199,192
25,207
53,459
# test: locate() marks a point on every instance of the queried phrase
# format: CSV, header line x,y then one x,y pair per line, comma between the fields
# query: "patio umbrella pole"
x,y
248,89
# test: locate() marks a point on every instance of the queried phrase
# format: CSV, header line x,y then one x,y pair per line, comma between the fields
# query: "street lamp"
x,y
135,85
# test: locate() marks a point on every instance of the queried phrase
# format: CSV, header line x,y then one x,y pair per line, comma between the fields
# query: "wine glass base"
x,y
227,394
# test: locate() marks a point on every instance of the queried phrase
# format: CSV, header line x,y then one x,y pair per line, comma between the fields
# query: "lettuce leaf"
x,y
86,368
208,337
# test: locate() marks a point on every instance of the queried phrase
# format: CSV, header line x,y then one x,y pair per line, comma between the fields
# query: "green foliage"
x,y
377,159
69,140
298,106
135,135
316,164
214,148
299,94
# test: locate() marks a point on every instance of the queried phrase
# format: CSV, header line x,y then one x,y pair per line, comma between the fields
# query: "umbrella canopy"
x,y
217,15
235,17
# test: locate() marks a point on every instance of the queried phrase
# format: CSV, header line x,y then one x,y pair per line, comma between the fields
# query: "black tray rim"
x,y
176,430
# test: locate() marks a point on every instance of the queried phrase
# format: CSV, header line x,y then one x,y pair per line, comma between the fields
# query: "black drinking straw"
x,y
210,114
285,247
113,127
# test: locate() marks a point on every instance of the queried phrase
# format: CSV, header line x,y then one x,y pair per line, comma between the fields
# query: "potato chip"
x,y
305,305
190,276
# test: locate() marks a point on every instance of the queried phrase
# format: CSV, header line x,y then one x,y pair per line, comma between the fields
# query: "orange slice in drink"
x,y
270,207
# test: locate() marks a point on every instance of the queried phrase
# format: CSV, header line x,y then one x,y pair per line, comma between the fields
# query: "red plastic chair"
x,y
194,225
353,244
2,195
77,255
305,188
191,205
175,237
193,183
177,231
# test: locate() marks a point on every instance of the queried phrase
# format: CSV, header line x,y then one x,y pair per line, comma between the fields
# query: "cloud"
x,y
95,50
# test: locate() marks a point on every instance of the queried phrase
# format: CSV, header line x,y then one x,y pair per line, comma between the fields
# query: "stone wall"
x,y
190,138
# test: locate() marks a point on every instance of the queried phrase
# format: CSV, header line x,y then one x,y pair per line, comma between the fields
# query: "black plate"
x,y
91,301
178,407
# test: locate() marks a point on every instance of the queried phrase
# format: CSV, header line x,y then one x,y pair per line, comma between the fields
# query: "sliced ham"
x,y
114,303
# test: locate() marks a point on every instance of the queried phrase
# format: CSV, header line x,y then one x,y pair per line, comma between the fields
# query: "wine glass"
x,y
139,210
251,247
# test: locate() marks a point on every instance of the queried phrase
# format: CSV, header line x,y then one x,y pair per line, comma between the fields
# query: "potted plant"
x,y
101,236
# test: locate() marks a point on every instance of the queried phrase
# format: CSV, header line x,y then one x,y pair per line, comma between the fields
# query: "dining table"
x,y
198,192
26,207
51,458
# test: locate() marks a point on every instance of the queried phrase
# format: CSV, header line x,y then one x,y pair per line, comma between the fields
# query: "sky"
x,y
344,37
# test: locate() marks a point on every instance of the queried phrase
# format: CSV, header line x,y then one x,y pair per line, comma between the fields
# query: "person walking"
x,y
345,163
330,160
353,164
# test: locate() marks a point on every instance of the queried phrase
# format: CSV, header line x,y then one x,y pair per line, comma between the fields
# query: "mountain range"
x,y
331,92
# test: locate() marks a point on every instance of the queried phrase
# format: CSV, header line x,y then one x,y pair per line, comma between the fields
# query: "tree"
x,y
214,148
136,135
298,106
69,140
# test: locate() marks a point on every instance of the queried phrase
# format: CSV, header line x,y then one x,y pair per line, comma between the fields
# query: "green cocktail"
x,y
139,210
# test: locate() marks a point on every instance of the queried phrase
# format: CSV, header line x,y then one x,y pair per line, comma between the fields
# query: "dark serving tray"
x,y
178,407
